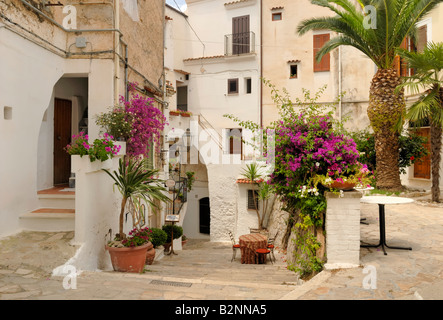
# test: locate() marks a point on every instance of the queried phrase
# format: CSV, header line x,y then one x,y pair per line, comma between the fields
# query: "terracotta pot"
x,y
129,259
150,255
345,186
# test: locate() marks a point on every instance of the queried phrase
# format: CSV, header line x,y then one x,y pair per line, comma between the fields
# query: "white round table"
x,y
382,201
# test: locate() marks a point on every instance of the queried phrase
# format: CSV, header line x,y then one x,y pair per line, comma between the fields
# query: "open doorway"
x,y
62,137
205,216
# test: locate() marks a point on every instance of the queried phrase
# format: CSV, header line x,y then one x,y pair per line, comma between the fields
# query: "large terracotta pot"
x,y
150,254
129,259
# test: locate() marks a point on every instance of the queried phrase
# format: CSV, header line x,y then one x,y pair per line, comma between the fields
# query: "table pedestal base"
x,y
382,243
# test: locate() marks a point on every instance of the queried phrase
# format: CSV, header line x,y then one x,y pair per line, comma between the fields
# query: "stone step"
x,y
66,201
212,261
48,220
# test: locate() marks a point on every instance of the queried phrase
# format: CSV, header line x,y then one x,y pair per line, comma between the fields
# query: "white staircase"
x,y
56,212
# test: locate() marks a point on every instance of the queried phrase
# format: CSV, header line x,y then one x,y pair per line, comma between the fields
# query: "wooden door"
x,y
62,137
240,35
422,168
205,216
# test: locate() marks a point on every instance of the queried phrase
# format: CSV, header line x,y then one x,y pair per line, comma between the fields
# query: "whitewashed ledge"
x,y
343,230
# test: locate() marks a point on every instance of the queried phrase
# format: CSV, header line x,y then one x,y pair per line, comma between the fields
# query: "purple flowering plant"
x,y
138,237
102,149
135,120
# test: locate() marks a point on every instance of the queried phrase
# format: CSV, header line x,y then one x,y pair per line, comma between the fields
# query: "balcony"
x,y
239,43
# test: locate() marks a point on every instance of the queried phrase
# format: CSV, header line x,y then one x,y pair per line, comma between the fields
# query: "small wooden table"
x,y
249,243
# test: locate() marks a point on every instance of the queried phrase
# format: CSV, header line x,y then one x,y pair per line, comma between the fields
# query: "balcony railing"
x,y
239,43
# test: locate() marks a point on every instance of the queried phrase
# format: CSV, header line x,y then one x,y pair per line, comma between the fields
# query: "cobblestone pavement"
x,y
204,271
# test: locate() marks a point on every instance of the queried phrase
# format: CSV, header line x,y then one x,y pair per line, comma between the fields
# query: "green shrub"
x,y
411,149
177,230
158,237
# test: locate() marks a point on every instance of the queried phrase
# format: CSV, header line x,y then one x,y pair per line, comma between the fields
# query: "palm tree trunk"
x,y
254,198
436,140
385,107
121,235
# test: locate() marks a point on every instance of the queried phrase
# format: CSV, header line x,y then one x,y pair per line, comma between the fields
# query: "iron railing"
x,y
239,43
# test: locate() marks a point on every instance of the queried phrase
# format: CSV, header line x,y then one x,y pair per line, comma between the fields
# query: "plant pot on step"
x,y
129,259
150,254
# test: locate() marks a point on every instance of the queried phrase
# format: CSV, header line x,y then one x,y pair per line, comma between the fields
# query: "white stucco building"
x,y
218,51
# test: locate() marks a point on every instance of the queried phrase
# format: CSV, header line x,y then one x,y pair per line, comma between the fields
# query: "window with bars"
x,y
251,199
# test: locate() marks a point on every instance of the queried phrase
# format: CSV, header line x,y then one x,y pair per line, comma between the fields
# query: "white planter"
x,y
84,164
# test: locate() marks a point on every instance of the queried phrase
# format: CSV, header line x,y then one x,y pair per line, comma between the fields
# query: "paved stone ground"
x,y
203,270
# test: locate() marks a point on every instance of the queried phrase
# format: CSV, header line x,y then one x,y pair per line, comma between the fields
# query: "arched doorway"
x,y
205,216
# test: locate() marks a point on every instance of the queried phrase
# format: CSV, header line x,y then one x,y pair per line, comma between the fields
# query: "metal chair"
x,y
271,245
235,246
262,252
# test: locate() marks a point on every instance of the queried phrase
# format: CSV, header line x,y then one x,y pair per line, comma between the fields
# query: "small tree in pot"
x,y
135,181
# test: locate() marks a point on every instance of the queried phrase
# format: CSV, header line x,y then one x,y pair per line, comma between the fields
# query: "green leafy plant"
x,y
117,122
138,237
158,237
190,175
175,229
136,181
102,149
411,149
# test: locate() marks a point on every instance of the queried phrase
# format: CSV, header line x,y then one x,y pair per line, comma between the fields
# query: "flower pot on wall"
x,y
129,259
345,186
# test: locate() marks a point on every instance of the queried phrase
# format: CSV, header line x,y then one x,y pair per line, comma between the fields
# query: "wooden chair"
x,y
235,246
271,245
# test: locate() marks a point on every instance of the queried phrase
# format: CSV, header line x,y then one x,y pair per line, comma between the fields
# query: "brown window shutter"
x,y
240,35
319,41
422,38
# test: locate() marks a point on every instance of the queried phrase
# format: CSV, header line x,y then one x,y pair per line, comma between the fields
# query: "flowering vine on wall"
x,y
135,120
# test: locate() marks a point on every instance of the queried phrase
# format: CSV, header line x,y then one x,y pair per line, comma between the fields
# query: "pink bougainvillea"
x,y
148,123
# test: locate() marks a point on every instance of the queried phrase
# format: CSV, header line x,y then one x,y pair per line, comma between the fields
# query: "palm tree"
x,y
136,181
395,19
427,67
254,175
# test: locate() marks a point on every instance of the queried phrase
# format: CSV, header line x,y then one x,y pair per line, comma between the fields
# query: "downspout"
x,y
116,49
261,64
339,85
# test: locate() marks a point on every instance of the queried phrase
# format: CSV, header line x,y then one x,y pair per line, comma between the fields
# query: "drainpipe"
x,y
339,84
116,49
261,64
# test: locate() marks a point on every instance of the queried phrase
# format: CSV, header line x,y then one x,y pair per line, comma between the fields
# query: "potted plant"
x,y
184,240
117,122
136,182
158,238
185,114
171,230
174,113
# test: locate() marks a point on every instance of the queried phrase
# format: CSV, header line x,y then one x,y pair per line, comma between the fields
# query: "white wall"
x,y
28,75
